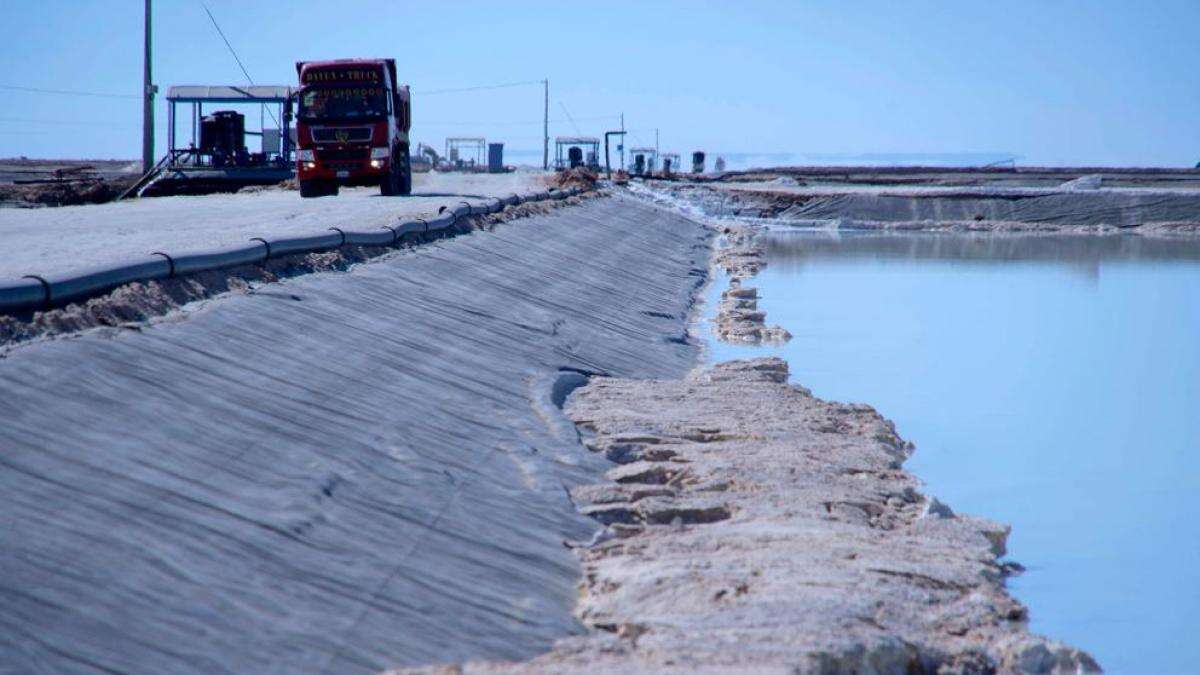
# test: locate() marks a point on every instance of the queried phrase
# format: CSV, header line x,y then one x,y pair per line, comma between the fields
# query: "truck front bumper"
x,y
356,171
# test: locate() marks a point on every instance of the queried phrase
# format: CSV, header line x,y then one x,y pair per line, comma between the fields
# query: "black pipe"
x,y
607,166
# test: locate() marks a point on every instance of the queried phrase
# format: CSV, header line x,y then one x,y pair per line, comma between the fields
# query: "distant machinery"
x,y
470,160
580,151
217,158
698,161
642,161
719,165
670,163
426,159
495,158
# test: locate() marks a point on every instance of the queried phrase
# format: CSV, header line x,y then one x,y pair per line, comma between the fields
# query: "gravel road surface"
x,y
49,240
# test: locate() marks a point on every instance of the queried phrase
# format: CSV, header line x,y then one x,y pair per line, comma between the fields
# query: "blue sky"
x,y
1053,82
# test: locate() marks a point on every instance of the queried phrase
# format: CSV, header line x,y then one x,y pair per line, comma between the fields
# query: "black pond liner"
x,y
361,480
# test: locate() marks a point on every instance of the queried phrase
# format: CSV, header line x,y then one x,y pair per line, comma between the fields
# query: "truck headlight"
x,y
306,156
380,153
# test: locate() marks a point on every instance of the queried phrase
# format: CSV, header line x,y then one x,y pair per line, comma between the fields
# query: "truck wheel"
x,y
406,176
389,185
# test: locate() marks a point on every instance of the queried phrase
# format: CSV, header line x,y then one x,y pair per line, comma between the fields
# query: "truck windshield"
x,y
343,102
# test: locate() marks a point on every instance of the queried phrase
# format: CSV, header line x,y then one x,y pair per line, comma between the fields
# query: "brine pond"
x,y
1051,382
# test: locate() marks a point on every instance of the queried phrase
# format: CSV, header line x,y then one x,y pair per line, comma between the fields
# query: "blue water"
x,y
1049,382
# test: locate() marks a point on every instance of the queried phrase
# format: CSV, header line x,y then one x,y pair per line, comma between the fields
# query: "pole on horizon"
x,y
546,125
147,102
622,146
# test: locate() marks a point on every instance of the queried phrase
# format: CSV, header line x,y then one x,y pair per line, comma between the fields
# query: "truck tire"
x,y
406,173
389,184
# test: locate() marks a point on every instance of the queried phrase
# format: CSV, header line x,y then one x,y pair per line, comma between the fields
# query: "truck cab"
x,y
352,125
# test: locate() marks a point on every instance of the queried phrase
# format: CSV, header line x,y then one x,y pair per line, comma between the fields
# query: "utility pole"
x,y
147,104
622,146
545,125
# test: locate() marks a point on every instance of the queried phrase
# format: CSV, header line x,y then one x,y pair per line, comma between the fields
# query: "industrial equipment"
x,y
643,161
223,137
472,158
217,158
698,161
352,127
495,158
670,163
581,151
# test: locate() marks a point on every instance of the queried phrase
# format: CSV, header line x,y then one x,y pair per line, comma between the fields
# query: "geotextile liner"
x,y
339,472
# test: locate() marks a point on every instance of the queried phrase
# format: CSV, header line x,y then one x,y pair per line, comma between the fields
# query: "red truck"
x,y
352,123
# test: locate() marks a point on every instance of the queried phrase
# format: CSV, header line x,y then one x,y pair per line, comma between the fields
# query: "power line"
x,y
226,41
24,120
513,124
478,88
235,56
66,92
568,114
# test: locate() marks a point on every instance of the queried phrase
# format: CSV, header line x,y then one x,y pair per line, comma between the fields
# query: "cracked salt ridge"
x,y
345,472
752,526
738,318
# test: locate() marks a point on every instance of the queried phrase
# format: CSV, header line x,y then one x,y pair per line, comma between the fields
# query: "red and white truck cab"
x,y
352,124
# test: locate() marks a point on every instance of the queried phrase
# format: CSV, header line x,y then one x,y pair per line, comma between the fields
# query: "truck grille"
x,y
343,154
341,134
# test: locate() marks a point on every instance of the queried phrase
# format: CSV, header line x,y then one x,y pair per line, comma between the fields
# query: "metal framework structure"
x,y
649,159
670,162
475,146
589,152
190,170
263,95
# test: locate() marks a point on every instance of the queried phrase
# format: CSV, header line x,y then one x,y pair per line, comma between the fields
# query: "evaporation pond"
x,y
1051,382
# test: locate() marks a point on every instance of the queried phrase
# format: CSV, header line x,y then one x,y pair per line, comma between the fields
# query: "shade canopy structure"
x,y
587,152
649,160
271,99
466,151
193,169
190,93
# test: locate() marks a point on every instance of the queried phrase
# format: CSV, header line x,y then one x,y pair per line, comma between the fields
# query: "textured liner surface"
x,y
338,473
